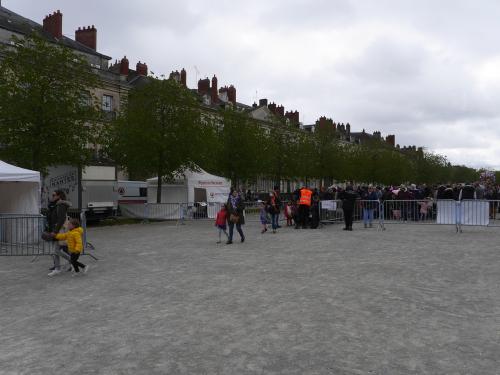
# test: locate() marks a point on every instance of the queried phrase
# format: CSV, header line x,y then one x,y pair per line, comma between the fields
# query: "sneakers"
x,y
55,272
229,242
69,268
243,239
86,269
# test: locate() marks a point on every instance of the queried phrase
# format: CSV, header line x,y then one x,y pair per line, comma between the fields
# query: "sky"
x,y
426,71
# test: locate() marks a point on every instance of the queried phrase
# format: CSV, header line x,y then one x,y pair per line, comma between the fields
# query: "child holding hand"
x,y
75,244
220,222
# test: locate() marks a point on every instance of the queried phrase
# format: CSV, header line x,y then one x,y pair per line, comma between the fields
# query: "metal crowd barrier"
x,y
419,211
20,235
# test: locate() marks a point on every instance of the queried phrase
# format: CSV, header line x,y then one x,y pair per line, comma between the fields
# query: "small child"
x,y
75,244
220,222
425,207
264,220
288,215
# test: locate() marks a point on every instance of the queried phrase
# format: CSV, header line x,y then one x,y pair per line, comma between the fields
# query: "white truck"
x,y
93,188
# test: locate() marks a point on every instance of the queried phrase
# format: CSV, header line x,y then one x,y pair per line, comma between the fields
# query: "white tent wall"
x,y
183,190
169,193
19,189
19,198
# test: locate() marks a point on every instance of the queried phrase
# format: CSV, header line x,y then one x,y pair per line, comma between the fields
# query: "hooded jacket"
x,y
57,215
73,238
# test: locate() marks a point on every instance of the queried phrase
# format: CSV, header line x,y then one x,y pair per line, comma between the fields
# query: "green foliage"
x,y
240,142
46,111
159,132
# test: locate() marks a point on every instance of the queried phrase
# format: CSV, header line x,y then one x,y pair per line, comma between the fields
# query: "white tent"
x,y
19,190
190,187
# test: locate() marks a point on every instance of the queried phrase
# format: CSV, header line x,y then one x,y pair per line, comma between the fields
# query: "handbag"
x,y
233,218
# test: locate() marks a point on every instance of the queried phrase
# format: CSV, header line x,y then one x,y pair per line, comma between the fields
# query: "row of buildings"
x,y
119,77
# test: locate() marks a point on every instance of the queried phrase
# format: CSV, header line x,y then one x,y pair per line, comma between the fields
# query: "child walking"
x,y
264,217
220,222
75,244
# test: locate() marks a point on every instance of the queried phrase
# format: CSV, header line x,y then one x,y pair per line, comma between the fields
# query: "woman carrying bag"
x,y
235,208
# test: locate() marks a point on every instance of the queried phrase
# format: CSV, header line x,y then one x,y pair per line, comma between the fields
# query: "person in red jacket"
x,y
220,222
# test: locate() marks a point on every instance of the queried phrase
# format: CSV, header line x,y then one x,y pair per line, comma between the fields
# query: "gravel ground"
x,y
166,299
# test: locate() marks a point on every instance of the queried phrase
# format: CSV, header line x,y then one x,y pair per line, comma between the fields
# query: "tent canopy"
x,y
19,189
191,186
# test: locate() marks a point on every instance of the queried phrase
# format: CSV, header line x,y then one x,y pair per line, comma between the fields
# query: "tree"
x,y
159,132
239,153
46,109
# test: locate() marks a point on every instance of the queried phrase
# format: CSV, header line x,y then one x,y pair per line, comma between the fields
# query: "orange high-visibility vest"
x,y
305,196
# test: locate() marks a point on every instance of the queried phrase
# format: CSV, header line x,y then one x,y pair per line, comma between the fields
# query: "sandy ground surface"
x,y
166,299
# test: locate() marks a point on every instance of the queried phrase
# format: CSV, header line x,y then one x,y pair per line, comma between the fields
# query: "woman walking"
x,y
235,207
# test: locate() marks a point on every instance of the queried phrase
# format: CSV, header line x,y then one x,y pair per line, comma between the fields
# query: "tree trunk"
x,y
158,188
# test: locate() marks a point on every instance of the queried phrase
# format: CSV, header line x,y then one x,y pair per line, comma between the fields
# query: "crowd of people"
x,y
303,208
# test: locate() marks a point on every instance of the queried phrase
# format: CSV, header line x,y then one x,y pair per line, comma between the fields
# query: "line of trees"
x,y
48,117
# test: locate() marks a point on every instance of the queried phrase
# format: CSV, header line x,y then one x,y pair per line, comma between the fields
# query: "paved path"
x,y
166,299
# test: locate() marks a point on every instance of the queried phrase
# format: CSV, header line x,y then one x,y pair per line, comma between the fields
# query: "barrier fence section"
x,y
21,235
445,212
183,211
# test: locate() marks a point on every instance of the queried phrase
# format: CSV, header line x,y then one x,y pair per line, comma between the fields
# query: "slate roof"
x,y
18,24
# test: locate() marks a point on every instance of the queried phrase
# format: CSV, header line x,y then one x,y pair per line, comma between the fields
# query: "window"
x,y
86,99
107,103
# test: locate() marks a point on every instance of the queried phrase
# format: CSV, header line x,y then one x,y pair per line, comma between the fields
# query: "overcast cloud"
x,y
426,71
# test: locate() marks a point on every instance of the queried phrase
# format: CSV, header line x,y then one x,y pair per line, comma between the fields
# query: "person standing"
x,y
235,208
274,206
348,198
370,202
56,218
304,207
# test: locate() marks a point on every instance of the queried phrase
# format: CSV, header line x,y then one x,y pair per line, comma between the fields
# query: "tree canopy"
x,y
46,107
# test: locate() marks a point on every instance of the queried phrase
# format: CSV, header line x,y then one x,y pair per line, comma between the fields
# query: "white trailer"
x,y
92,188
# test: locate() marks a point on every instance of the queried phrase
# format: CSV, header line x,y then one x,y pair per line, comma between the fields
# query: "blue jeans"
x,y
274,221
367,215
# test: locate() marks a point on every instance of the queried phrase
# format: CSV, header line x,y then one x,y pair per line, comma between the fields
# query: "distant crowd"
x,y
303,207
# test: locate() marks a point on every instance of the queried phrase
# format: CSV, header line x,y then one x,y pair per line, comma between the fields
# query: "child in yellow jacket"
x,y
75,244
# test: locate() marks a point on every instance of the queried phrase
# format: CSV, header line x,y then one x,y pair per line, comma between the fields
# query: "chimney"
x,y
87,36
124,66
203,86
53,24
280,110
272,107
142,69
293,116
231,94
262,102
176,76
183,77
214,91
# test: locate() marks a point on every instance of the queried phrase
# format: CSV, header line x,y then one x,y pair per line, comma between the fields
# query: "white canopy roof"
x,y
12,173
19,189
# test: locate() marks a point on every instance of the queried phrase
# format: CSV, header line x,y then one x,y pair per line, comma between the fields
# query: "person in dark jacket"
x,y
58,209
274,207
348,197
235,208
315,209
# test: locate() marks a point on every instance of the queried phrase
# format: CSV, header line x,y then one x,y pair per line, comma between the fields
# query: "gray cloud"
x,y
425,71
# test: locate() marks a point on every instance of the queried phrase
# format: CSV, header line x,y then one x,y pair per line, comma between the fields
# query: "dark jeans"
x,y
75,262
274,221
348,217
231,230
303,215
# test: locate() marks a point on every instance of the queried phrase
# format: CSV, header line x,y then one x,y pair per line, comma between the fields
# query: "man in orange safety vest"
x,y
304,206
